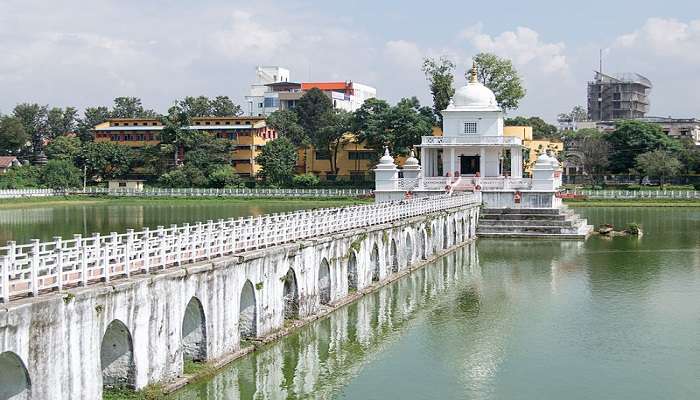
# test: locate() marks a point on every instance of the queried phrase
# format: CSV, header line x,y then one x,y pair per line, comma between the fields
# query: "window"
x,y
122,184
360,155
217,123
116,124
323,155
470,128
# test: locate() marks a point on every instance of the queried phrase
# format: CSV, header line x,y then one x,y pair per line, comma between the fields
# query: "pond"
x,y
506,319
36,220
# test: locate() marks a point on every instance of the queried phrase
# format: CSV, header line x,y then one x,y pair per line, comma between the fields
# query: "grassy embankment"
x,y
633,203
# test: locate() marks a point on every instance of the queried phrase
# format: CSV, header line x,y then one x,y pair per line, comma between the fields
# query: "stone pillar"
x,y
482,161
453,167
516,162
425,158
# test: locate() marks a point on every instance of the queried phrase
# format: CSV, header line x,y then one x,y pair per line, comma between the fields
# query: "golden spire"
x,y
472,76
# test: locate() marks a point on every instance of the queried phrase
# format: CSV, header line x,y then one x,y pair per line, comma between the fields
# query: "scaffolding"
x,y
618,96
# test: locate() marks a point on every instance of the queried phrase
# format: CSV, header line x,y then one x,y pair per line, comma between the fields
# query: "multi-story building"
x,y
534,147
618,96
678,128
273,91
248,134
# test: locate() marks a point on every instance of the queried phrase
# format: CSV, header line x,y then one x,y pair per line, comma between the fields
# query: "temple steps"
x,y
561,223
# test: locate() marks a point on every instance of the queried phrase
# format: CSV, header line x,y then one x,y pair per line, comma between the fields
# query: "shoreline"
x,y
632,203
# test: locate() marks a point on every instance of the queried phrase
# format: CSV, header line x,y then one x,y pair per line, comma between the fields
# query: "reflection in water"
x,y
321,358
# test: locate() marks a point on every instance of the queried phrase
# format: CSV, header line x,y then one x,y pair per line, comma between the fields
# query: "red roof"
x,y
335,86
6,161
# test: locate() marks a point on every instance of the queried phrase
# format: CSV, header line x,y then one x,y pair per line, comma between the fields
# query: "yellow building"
x,y
535,146
249,134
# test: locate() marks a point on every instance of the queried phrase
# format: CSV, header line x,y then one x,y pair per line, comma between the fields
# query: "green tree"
x,y
277,159
690,156
540,128
499,75
64,148
21,177
631,138
224,176
206,152
91,117
33,119
440,76
312,110
61,121
286,124
184,176
658,164
106,160
223,106
130,107
13,137
334,134
60,174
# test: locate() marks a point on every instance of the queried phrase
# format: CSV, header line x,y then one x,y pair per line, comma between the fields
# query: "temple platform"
x,y
538,223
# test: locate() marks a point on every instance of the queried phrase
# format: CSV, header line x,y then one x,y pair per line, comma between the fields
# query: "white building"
x,y
472,144
273,91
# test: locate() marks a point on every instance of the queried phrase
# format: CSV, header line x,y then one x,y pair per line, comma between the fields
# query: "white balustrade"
x,y
29,269
637,194
475,139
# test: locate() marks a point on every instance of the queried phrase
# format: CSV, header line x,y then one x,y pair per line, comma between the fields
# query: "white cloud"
x,y
665,37
246,37
403,54
523,46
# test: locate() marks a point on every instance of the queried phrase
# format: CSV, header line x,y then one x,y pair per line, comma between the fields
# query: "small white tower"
x,y
386,177
543,173
411,168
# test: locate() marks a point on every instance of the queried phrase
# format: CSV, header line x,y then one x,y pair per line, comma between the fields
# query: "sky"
x,y
85,53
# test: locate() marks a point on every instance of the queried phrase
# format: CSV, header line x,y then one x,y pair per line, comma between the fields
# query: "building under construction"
x,y
618,96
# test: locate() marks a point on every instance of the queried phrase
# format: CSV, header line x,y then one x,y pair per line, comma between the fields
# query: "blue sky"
x,y
84,53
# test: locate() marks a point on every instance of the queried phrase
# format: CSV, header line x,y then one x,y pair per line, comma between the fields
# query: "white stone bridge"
x,y
128,309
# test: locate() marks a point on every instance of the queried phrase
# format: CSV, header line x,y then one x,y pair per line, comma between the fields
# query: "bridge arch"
x,y
352,271
423,244
14,379
394,256
194,331
248,312
290,293
445,237
117,357
409,248
374,263
324,282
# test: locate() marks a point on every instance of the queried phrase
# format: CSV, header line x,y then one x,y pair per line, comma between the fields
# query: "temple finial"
x,y
472,76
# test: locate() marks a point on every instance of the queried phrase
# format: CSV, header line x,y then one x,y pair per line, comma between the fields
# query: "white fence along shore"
x,y
29,269
185,192
637,194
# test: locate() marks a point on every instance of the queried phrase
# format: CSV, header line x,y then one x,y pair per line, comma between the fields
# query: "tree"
x,y
20,177
13,137
222,106
399,127
202,106
595,150
286,124
33,119
440,76
277,159
130,107
60,174
105,160
61,121
631,138
499,75
64,148
206,152
91,117
184,176
540,128
577,114
312,109
224,176
658,164
333,134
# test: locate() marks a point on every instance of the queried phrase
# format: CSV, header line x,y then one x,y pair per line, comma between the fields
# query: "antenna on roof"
x,y
600,61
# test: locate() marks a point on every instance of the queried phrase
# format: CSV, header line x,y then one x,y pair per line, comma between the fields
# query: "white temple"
x,y
472,155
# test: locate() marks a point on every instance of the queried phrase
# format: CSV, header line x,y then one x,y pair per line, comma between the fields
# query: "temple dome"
x,y
474,94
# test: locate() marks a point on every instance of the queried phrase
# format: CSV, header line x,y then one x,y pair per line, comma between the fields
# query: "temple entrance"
x,y
469,165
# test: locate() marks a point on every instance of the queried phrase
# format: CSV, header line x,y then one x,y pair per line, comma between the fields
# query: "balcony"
x,y
471,140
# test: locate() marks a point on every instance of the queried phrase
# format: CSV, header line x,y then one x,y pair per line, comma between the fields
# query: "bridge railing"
x,y
29,269
186,192
637,194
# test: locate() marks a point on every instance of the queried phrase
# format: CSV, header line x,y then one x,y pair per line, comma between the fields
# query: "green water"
x,y
36,221
604,319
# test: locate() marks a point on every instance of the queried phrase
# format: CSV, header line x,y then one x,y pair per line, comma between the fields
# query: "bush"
x,y
224,177
21,177
60,174
184,177
305,181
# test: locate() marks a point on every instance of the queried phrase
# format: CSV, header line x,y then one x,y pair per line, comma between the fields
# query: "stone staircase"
x,y
545,223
